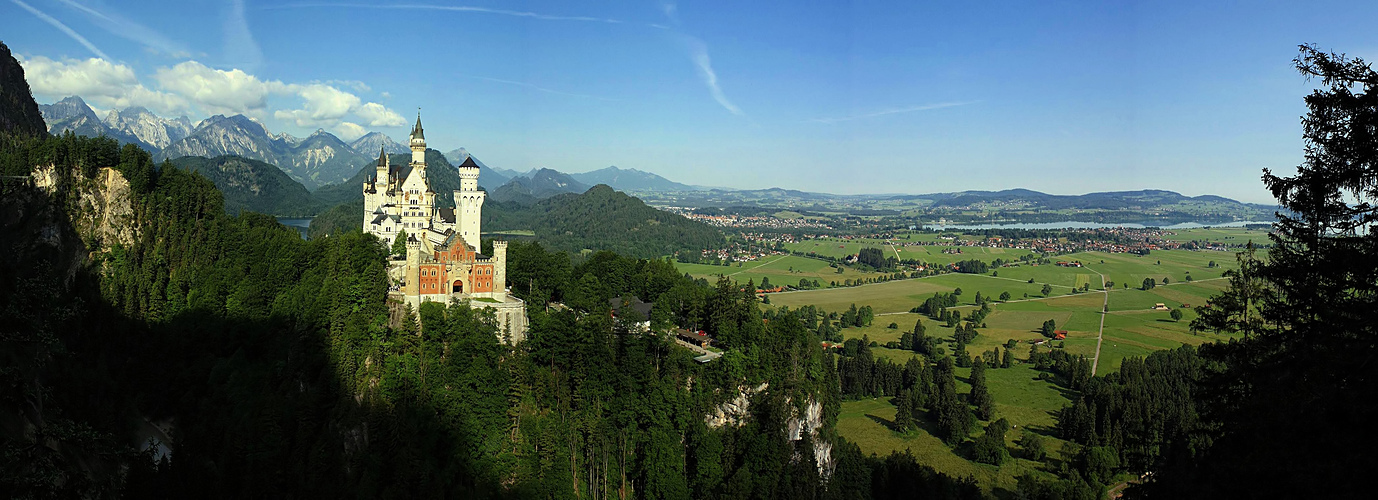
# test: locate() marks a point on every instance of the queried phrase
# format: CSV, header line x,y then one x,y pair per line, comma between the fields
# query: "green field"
x,y
1020,397
780,269
902,248
1132,328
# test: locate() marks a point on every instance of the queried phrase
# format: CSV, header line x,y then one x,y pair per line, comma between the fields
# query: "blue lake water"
x,y
300,224
1086,225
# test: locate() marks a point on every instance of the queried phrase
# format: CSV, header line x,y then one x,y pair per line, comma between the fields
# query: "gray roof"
x,y
447,215
416,131
635,304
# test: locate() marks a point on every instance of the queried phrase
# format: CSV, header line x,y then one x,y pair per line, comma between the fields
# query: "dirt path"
x,y
745,269
1104,310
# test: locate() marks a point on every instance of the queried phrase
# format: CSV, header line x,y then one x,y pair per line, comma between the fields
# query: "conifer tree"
x,y
980,396
904,419
399,245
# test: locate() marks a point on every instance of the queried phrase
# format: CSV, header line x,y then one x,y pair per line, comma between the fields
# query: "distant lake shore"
x,y
301,224
1088,225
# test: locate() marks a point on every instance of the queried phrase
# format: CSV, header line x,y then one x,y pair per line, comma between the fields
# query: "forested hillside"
x,y
443,176
252,185
600,219
178,351
604,219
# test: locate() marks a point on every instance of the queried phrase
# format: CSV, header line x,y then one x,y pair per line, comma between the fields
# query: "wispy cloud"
x,y
125,28
240,47
58,24
893,111
543,89
698,52
450,8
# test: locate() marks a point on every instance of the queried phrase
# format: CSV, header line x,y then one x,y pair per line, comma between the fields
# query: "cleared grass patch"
x,y
1027,402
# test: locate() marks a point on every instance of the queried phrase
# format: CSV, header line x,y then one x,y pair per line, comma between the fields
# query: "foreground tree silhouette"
x,y
1306,313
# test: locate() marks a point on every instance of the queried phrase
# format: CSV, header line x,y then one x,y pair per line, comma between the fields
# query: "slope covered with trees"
x,y
219,353
252,185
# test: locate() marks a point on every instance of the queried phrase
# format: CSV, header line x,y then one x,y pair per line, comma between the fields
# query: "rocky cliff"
x,y
18,111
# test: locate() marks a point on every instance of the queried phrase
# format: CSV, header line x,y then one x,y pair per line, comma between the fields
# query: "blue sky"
x,y
865,97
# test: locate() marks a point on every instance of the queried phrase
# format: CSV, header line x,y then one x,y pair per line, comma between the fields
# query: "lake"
x,y
1086,225
300,224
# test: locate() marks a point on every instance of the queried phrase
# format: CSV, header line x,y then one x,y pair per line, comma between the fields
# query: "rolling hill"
x,y
252,185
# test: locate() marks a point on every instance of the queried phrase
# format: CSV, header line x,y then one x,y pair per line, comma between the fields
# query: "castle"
x,y
443,262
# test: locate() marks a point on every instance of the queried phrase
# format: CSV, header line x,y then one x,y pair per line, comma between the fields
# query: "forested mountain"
x,y
536,185
599,219
488,178
19,113
604,219
314,161
157,347
443,176
1116,200
252,185
630,179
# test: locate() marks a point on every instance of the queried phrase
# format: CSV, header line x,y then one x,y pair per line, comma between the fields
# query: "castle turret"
x,y
469,202
500,270
418,143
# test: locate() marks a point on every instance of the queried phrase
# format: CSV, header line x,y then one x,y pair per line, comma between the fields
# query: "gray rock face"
x,y
66,109
372,141
317,160
148,127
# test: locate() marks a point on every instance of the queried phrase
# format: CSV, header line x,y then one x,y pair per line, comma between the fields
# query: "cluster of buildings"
x,y
747,221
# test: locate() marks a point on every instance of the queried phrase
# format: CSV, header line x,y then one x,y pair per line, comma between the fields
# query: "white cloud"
x,y
698,52
893,111
191,87
219,91
349,131
101,83
450,8
378,115
324,106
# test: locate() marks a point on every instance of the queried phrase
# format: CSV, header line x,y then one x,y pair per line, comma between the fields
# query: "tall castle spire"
x,y
418,142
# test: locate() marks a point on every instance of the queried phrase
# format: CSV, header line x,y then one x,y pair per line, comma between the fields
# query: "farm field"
x,y
780,269
906,249
1226,235
1132,328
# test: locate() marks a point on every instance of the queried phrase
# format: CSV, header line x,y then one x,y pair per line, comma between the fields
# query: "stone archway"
x,y
458,287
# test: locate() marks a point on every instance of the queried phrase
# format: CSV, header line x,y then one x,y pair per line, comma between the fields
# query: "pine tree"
x,y
904,419
980,396
399,245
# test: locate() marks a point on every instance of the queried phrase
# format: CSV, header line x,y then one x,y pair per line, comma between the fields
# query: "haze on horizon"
x,y
842,98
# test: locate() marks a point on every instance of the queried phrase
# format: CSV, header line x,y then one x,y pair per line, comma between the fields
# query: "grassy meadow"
x,y
1131,328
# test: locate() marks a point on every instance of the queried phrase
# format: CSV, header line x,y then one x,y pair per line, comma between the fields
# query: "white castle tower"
x,y
469,202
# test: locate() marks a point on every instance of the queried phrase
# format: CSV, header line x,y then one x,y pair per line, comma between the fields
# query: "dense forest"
x,y
252,185
157,346
211,354
600,219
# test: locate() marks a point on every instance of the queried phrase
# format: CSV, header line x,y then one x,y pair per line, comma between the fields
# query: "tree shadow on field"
x,y
889,424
